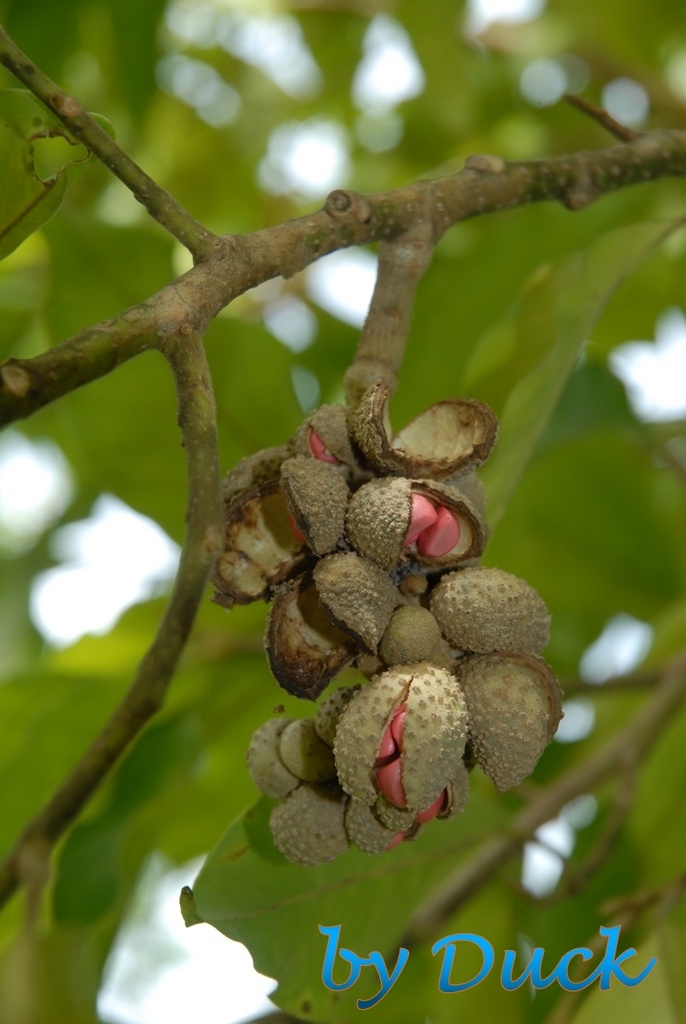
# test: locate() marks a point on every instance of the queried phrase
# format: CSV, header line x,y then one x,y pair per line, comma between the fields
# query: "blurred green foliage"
x,y
520,308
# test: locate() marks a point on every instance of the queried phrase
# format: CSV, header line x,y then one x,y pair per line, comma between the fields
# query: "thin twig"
x,y
156,200
604,119
27,862
382,342
636,739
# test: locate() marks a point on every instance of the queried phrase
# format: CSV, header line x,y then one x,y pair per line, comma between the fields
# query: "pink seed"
x,y
440,538
398,724
387,747
319,449
390,783
396,840
296,531
422,515
435,808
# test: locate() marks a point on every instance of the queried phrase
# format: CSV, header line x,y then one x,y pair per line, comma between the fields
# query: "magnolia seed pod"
x,y
260,550
357,595
514,707
330,710
411,635
304,649
481,609
304,753
317,497
329,424
472,532
433,735
365,830
448,437
382,524
360,729
309,825
265,766
378,519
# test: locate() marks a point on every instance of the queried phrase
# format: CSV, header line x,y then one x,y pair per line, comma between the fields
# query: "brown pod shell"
x,y
357,595
260,550
304,753
360,729
514,705
470,486
482,609
365,830
254,471
304,649
378,518
317,497
330,710
265,766
473,534
450,436
309,825
435,733
411,635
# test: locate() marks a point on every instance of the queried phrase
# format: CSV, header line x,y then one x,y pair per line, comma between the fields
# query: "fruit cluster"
x,y
368,547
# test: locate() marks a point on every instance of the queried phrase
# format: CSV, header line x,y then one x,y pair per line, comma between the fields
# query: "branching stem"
x,y
27,862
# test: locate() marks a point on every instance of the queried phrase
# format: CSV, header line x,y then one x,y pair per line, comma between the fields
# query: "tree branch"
x,y
424,210
632,742
156,200
27,862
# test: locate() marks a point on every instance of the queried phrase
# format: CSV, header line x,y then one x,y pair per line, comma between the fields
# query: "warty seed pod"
x,y
304,649
472,528
364,829
434,736
380,514
360,728
398,819
265,766
449,437
357,595
260,550
304,753
329,423
482,609
514,706
330,710
378,518
412,635
309,825
317,497
433,739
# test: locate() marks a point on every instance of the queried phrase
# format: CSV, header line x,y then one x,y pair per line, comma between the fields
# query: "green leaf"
x,y
521,366
659,997
250,892
27,201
